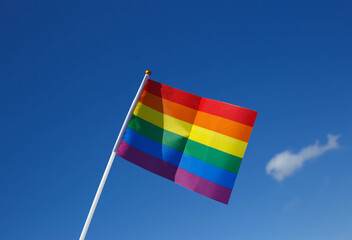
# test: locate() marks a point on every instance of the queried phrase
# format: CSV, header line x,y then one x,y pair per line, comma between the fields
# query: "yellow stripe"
x,y
219,141
162,120
204,136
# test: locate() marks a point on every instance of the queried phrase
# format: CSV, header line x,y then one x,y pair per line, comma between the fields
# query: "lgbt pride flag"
x,y
196,142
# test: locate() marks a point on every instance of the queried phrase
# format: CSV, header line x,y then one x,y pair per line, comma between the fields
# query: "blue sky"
x,y
69,71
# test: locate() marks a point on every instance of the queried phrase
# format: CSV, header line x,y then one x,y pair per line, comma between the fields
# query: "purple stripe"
x,y
146,161
202,186
173,173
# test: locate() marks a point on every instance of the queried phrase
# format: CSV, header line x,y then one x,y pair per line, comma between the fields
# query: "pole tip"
x,y
148,72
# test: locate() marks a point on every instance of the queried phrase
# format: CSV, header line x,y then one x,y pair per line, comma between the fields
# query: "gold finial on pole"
x,y
148,72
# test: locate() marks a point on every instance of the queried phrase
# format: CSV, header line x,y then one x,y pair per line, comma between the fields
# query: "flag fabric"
x,y
196,142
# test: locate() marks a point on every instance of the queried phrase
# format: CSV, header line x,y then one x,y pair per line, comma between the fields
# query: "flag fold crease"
x,y
196,142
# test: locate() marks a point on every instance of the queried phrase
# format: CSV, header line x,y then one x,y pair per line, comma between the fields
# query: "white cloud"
x,y
284,164
290,204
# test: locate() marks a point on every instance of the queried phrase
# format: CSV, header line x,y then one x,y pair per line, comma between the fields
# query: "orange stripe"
x,y
214,107
168,107
223,125
209,121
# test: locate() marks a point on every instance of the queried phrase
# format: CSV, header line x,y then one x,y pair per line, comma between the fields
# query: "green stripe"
x,y
197,150
157,134
213,156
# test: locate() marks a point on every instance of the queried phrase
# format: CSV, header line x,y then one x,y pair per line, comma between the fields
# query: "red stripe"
x,y
173,94
221,109
229,111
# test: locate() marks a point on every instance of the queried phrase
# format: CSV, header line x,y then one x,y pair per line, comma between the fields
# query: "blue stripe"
x,y
184,161
151,147
208,171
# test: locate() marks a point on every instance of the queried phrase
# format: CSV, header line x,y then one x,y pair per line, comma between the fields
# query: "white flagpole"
x,y
113,154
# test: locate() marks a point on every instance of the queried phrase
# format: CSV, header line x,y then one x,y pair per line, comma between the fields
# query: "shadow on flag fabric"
x,y
193,141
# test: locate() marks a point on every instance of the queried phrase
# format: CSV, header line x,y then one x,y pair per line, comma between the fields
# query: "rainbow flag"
x,y
196,142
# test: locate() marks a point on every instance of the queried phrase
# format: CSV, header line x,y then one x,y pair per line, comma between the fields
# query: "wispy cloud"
x,y
284,164
290,204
